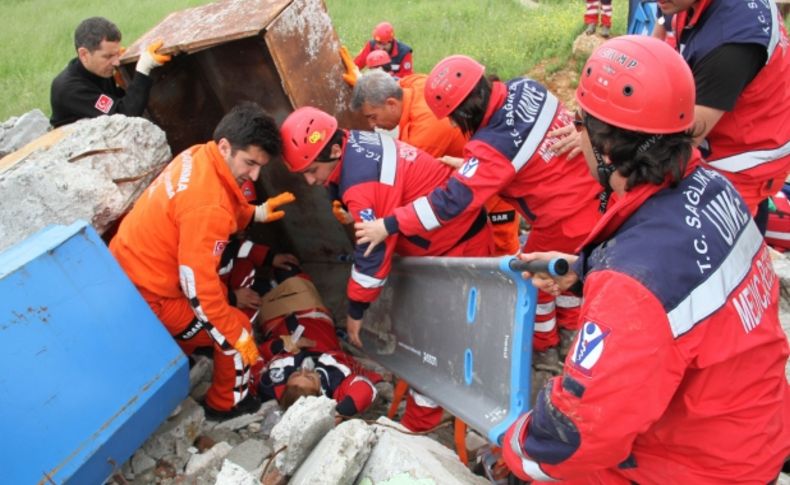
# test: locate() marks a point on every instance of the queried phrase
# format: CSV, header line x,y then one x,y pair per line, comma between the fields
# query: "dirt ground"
x,y
562,83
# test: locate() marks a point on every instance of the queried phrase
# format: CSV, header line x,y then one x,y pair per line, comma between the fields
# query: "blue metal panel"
x,y
88,370
458,330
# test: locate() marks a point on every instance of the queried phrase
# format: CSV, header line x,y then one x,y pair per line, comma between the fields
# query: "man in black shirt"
x,y
86,88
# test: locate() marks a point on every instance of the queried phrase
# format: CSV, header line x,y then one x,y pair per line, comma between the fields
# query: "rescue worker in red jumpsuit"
x,y
383,38
677,375
373,174
738,53
591,13
303,353
389,104
171,242
511,154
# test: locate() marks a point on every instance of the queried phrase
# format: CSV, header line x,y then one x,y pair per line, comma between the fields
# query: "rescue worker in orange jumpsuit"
x,y
171,242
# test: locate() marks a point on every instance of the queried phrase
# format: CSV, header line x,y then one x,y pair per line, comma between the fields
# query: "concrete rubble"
x,y
95,169
187,448
18,131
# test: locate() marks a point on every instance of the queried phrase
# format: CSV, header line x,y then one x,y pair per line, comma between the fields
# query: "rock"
x,y
233,474
209,459
177,433
339,457
239,422
584,45
419,458
301,428
94,172
272,414
17,132
250,454
141,462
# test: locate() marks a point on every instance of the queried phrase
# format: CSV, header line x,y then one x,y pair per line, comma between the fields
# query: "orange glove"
x,y
247,348
267,212
352,71
149,59
340,213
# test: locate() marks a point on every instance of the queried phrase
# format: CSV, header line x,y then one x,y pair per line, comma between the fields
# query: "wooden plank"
x,y
199,28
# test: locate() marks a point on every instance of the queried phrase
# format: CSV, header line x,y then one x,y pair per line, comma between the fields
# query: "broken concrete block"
x,y
18,131
272,414
223,434
141,462
250,454
177,433
339,457
300,429
201,371
233,474
419,457
210,459
239,421
94,172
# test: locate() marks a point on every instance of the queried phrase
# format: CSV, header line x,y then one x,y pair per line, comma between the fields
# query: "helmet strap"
x,y
605,172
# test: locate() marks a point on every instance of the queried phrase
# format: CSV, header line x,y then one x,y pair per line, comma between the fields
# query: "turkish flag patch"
x,y
104,103
219,247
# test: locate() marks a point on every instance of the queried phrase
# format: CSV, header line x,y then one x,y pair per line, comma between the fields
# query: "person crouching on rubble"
x,y
171,243
371,174
303,352
678,372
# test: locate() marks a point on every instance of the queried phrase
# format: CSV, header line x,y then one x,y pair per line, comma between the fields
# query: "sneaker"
x,y
590,30
248,405
605,33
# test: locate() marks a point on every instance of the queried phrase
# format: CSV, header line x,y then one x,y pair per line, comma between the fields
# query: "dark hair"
x,y
247,124
469,114
642,158
91,32
326,153
292,393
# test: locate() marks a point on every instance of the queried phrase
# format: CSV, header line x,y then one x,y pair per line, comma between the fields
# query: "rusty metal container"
x,y
281,54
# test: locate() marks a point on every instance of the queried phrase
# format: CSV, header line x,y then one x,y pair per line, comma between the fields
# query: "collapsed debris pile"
x,y
93,169
301,446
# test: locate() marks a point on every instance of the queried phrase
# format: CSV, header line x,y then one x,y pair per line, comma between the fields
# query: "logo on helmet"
x,y
315,137
618,57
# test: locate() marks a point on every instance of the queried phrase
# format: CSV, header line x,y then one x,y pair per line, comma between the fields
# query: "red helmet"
x,y
450,82
377,58
638,83
383,33
305,132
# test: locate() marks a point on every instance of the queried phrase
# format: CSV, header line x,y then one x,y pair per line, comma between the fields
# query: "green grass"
x,y
508,38
37,41
505,36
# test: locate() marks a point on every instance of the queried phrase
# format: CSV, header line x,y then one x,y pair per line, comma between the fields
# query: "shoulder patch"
x,y
589,347
104,103
469,168
276,374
